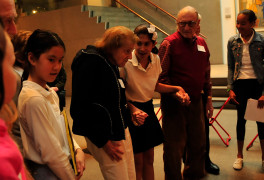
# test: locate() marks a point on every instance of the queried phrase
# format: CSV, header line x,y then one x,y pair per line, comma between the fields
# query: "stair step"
x,y
218,102
121,20
130,25
113,14
104,9
219,91
219,87
219,81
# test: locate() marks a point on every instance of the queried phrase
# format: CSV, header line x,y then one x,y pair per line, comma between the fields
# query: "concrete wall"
x,y
75,28
210,24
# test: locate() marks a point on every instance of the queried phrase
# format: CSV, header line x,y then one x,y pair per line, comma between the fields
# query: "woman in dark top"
x,y
98,105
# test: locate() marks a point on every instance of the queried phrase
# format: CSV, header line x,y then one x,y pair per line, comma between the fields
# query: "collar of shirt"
x,y
135,62
45,92
249,41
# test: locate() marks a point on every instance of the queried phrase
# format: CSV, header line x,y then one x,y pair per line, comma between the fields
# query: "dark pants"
x,y
40,171
183,127
206,123
245,89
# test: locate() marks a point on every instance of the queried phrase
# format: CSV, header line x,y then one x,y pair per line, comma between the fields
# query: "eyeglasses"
x,y
190,23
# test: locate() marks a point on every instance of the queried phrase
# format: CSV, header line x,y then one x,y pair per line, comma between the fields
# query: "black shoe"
x,y
212,168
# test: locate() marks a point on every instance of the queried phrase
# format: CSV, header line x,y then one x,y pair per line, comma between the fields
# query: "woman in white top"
x,y
46,148
141,74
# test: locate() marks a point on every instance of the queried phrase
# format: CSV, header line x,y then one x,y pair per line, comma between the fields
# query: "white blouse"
x,y
141,82
43,129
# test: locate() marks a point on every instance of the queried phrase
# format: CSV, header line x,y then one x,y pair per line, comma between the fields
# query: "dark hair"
x,y
251,15
143,29
2,55
38,43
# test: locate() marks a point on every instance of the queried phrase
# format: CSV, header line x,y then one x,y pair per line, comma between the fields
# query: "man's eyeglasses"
x,y
190,23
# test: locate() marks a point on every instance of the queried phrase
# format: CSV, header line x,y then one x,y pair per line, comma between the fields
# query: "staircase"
x,y
114,16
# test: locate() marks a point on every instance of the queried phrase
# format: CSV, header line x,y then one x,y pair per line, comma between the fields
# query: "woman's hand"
x,y
113,150
138,117
80,163
261,102
232,96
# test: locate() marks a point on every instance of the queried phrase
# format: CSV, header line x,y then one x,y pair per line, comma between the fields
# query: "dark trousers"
x,y
245,89
206,123
183,127
40,171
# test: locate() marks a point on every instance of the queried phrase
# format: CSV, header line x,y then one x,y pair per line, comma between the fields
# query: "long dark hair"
x,y
38,43
143,29
2,55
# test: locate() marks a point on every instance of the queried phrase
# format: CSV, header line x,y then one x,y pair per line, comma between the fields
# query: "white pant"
x,y
113,170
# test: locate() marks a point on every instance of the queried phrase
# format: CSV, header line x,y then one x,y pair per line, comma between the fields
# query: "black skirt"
x,y
150,133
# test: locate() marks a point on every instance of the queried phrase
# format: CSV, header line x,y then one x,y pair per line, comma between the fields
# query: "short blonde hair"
x,y
115,38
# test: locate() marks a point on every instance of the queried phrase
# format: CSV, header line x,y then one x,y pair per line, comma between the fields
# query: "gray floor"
x,y
220,154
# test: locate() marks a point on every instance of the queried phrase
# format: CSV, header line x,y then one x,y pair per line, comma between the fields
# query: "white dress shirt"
x,y
43,129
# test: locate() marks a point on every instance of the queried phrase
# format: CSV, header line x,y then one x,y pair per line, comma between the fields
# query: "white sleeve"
x,y
76,145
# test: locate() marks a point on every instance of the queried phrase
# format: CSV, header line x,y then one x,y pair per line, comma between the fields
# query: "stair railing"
x,y
166,12
142,17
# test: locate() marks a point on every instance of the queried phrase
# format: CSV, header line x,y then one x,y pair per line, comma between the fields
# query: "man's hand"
x,y
209,108
113,150
80,163
232,96
261,102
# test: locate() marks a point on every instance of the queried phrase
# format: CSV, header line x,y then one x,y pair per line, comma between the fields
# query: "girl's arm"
x,y
178,92
165,88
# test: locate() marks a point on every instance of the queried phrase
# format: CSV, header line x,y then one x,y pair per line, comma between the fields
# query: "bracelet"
x,y
228,90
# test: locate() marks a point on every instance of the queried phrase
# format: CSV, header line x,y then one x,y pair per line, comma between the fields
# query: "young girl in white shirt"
x,y
43,131
141,74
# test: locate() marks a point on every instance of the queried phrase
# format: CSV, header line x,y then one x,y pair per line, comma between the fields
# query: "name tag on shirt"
x,y
200,48
121,83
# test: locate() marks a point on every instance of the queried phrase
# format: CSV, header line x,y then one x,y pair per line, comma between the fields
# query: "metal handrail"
x,y
166,12
142,17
